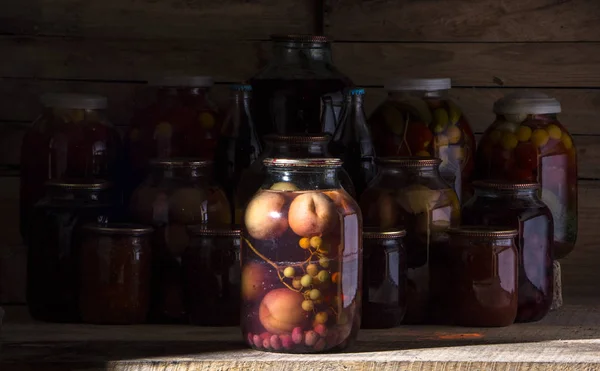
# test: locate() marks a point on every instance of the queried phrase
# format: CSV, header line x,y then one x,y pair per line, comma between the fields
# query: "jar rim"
x,y
119,229
505,185
301,38
379,234
303,162
483,231
79,184
412,161
180,162
276,138
74,101
213,230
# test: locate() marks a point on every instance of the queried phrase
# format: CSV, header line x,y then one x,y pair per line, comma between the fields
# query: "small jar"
x,y
418,119
115,273
517,205
211,266
384,278
482,265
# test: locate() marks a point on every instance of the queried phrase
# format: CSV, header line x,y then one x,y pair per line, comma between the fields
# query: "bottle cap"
x,y
527,102
74,101
185,81
408,84
240,87
356,91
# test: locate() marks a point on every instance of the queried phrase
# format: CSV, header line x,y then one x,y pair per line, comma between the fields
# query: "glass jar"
x,y
70,139
53,251
178,192
181,122
409,193
527,143
301,260
418,119
481,283
115,273
517,205
288,91
384,278
211,266
284,146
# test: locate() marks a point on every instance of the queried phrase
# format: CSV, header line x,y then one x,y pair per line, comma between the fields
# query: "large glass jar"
x,y
384,278
114,268
181,122
288,91
53,253
481,279
70,139
517,205
301,260
211,265
418,119
284,146
409,193
177,193
527,143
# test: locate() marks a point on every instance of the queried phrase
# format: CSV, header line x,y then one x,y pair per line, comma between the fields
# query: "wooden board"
x,y
566,340
157,19
460,20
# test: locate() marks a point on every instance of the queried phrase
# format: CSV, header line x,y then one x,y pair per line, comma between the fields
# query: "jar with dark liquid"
x,y
517,205
301,260
288,91
54,248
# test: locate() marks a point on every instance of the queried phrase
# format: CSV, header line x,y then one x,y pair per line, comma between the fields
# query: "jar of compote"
x,y
178,192
418,119
527,143
301,260
517,205
409,193
481,281
284,146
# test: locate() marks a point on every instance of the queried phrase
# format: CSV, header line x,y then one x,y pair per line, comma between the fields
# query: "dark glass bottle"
x,y
328,118
288,91
352,141
238,145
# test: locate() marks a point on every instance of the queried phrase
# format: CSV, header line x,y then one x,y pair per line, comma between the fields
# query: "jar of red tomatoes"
x,y
528,143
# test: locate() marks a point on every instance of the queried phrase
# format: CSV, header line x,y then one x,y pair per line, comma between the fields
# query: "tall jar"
x,y
284,146
70,139
527,143
288,91
54,247
301,260
517,205
409,193
418,119
177,193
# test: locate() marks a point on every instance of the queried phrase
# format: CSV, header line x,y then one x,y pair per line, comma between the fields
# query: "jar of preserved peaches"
x,y
528,143
211,266
301,260
70,139
417,119
482,265
115,273
178,192
54,248
384,278
284,146
517,204
409,192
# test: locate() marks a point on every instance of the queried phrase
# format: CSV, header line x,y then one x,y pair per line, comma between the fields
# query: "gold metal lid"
x,y
505,185
311,138
79,184
483,231
413,161
376,233
119,229
303,162
180,162
214,230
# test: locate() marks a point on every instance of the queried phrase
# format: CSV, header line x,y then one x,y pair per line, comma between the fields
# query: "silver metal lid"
x,y
527,102
74,101
421,84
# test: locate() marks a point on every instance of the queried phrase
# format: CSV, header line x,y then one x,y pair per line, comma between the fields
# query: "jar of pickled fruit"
x,y
211,266
409,192
482,265
384,278
54,247
70,139
301,260
284,146
115,273
517,204
418,119
178,192
527,143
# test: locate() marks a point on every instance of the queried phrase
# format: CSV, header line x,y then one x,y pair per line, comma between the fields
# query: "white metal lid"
x,y
185,81
527,102
74,101
422,84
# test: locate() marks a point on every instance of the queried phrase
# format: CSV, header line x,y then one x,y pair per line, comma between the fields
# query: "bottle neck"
x,y
238,115
306,179
291,52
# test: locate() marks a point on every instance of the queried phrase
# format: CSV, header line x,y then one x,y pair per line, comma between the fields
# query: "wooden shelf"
x,y
568,339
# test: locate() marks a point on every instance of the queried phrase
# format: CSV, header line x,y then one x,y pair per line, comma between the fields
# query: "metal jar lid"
x,y
527,102
303,162
119,229
74,101
420,84
483,231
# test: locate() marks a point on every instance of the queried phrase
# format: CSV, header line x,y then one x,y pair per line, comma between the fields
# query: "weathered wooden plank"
x,y
157,19
459,20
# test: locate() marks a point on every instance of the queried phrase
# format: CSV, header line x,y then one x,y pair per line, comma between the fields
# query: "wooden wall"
x,y
488,48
